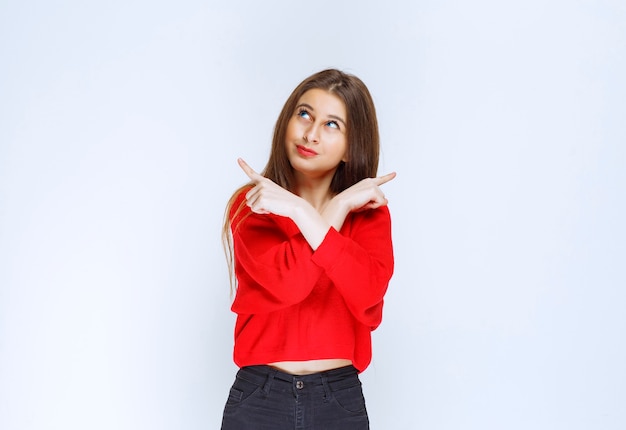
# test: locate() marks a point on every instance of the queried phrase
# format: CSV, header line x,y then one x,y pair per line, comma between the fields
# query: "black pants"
x,y
263,398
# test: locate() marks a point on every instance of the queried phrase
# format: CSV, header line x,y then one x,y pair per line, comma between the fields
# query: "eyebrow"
x,y
308,106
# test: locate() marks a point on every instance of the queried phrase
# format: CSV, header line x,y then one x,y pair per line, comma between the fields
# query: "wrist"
x,y
301,211
336,212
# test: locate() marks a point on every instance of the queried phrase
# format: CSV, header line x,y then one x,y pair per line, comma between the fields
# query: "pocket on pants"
x,y
350,399
241,391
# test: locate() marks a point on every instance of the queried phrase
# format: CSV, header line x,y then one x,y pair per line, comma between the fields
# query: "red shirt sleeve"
x,y
276,267
272,261
359,261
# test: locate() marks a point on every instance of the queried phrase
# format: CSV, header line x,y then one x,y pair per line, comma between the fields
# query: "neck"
x,y
316,192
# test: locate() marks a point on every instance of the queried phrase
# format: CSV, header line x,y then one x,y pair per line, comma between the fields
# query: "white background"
x,y
120,124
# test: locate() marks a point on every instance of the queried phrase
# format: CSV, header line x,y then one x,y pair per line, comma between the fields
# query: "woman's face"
x,y
316,138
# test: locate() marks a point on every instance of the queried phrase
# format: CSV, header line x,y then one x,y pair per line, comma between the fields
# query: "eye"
x,y
333,124
302,113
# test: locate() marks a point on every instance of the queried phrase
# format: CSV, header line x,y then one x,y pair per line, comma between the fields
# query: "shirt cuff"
x,y
329,252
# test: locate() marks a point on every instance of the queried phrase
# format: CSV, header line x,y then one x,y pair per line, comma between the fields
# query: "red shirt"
x,y
293,303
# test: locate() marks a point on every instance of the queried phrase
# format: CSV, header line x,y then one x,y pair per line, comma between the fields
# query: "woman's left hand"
x,y
267,196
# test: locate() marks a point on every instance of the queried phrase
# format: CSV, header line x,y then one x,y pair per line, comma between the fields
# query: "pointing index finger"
x,y
385,178
254,176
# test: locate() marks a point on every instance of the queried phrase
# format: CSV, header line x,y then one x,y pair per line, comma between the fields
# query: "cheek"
x,y
344,156
292,129
341,144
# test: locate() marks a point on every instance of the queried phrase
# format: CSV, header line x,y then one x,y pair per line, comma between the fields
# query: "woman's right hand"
x,y
365,194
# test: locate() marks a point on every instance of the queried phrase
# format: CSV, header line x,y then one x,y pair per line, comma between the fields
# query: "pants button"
x,y
299,385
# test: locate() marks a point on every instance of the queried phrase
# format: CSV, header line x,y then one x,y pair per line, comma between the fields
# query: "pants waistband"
x,y
334,378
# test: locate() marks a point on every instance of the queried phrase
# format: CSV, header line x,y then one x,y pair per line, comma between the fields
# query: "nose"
x,y
311,134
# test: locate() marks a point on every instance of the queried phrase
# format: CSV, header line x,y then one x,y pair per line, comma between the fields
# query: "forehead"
x,y
324,102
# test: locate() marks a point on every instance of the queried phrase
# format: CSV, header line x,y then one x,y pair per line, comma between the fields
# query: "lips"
x,y
307,152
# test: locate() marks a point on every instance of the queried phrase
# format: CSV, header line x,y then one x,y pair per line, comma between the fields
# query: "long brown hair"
x,y
362,142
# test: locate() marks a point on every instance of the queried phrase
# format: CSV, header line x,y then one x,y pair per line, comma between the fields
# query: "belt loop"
x,y
268,382
326,388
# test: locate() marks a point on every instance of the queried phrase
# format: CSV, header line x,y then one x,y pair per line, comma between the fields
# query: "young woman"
x,y
309,240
